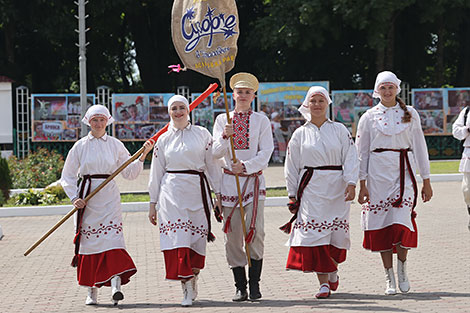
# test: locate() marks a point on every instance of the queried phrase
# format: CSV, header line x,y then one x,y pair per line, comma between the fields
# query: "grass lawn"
x,y
444,167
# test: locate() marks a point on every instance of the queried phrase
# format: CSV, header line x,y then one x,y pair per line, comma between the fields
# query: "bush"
x,y
38,170
35,197
5,180
57,191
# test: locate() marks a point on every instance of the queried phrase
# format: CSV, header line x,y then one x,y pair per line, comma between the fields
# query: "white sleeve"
x,y
349,158
157,170
459,130
133,170
69,176
221,145
363,145
292,165
214,171
419,147
265,149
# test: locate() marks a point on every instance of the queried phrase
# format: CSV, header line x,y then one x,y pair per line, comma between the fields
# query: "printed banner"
x,y
56,117
205,34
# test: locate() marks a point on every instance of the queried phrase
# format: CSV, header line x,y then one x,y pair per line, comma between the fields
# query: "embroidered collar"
x,y
104,137
243,113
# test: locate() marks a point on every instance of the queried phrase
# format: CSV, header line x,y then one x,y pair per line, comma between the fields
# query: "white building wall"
x,y
6,113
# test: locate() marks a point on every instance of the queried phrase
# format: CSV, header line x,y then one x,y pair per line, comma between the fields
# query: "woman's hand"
x,y
363,193
218,208
153,214
426,191
350,193
79,203
148,146
293,206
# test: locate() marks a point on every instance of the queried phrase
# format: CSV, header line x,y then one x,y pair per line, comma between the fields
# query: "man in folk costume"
x,y
253,143
461,131
100,253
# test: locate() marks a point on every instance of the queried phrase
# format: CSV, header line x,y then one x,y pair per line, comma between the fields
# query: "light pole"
x,y
82,59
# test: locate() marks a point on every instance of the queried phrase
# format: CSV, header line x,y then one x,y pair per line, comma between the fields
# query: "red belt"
x,y
403,159
303,183
205,192
82,195
251,232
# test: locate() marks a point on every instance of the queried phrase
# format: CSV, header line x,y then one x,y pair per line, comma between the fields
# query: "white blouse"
x,y
382,127
331,144
92,155
186,149
461,131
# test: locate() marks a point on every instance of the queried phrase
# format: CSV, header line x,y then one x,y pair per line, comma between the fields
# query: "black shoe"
x,y
240,295
254,274
239,275
255,294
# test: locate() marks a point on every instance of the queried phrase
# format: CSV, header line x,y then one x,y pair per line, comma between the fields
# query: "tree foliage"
x,y
427,43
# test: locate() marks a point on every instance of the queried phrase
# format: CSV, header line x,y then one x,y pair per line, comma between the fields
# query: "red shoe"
x,y
324,292
334,286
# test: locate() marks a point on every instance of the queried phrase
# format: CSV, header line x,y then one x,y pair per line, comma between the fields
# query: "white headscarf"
x,y
178,98
95,110
314,90
385,77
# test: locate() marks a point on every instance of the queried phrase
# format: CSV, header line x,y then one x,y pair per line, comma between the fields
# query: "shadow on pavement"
x,y
343,301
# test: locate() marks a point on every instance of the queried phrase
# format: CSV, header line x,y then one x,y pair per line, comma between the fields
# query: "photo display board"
x,y
279,102
139,116
56,117
349,105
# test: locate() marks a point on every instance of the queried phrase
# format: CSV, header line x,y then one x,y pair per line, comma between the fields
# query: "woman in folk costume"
x,y
180,193
100,253
321,171
391,145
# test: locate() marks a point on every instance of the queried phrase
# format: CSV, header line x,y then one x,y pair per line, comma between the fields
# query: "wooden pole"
x,y
240,200
198,100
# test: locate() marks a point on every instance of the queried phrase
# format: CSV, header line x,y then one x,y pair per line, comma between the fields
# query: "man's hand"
x,y
237,168
228,130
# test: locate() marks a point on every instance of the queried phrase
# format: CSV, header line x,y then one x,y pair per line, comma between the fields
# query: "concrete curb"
x,y
126,207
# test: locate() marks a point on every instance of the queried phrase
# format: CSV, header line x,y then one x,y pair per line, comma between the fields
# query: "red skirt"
x,y
98,269
179,263
315,259
388,238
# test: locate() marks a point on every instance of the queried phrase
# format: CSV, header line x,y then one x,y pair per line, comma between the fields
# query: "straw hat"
x,y
244,80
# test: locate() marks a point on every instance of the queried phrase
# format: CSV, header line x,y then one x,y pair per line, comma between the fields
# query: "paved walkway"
x,y
439,269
